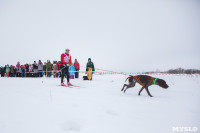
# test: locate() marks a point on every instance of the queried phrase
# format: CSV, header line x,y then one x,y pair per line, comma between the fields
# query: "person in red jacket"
x,y
77,67
58,66
64,67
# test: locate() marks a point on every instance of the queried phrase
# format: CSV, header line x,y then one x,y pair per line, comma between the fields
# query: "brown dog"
x,y
145,81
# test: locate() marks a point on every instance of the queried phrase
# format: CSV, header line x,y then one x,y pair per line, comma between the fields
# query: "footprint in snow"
x,y
71,125
111,113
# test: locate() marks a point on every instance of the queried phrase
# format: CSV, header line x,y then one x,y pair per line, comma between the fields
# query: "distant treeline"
x,y
178,71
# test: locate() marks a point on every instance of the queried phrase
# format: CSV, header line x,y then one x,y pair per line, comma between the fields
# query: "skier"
x,y
64,67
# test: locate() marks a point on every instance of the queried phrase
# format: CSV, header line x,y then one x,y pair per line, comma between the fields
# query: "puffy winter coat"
x,y
49,66
58,66
44,67
91,65
2,70
40,66
71,69
30,68
23,70
89,73
18,69
7,69
27,68
55,68
77,66
12,70
35,66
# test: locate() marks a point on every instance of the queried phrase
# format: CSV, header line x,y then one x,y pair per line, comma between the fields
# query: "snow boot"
x,y
69,84
62,84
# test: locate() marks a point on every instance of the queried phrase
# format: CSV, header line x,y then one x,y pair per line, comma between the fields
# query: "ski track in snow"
x,y
29,105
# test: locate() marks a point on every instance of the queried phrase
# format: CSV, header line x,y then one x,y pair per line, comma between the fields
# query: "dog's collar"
x,y
154,82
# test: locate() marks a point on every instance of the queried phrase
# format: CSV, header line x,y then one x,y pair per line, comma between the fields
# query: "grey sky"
x,y
119,35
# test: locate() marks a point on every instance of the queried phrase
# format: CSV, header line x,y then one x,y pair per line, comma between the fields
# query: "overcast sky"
x,y
119,35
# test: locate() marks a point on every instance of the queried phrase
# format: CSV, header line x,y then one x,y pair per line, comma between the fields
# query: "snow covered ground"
x,y
29,105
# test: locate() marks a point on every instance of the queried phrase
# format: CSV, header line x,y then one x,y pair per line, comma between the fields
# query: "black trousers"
x,y
18,74
35,74
2,74
64,71
40,73
77,74
86,78
27,74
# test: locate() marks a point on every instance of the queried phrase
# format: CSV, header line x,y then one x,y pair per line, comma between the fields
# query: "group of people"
x,y
66,63
36,69
57,69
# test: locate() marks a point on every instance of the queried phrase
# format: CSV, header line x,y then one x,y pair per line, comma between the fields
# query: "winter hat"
x,y
67,49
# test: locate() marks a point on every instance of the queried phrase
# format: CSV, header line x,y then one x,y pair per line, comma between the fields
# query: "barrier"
x,y
122,73
103,71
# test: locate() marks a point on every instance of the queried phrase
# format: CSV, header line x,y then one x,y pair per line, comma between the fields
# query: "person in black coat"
x,y
10,71
0,69
23,71
14,72
3,70
27,70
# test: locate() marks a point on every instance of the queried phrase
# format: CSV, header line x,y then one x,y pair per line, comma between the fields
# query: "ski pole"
x,y
60,70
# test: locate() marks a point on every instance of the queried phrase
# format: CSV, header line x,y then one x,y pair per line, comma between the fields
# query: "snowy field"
x,y
29,105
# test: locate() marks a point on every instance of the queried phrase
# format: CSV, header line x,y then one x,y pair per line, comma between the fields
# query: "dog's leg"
x,y
123,87
126,88
140,91
131,84
146,88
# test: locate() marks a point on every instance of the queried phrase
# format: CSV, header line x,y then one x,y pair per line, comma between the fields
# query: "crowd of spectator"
x,y
39,69
46,69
